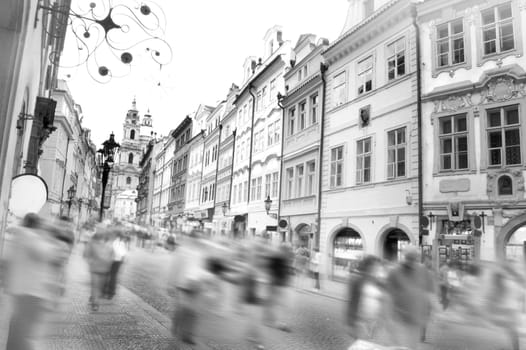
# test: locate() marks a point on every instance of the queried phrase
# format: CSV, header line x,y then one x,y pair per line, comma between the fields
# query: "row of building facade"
x,y
407,129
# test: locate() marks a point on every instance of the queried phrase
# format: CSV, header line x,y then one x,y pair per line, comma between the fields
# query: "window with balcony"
x,y
504,139
396,59
453,141
396,153
363,161
336,175
497,29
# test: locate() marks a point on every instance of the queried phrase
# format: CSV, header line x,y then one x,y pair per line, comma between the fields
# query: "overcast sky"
x,y
210,40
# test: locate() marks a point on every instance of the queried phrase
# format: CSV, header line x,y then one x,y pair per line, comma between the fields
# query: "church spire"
x,y
134,104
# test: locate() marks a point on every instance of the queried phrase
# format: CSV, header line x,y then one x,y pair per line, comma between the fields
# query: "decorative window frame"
x,y
484,163
492,180
466,109
517,33
435,69
345,72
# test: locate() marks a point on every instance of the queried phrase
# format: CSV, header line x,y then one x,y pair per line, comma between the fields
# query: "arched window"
x,y
505,186
132,134
128,180
130,158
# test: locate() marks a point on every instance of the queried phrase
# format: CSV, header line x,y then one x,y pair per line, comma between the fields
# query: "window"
x,y
130,158
505,186
207,158
305,71
396,146
185,162
365,75
338,90
453,134
258,188
300,173
450,43
277,131
497,29
504,142
267,185
240,194
311,170
292,118
396,59
336,166
290,182
128,180
299,75
132,134
314,109
275,184
270,135
363,161
212,191
302,115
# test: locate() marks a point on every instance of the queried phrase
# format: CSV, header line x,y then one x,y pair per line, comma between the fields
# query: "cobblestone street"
x,y
139,318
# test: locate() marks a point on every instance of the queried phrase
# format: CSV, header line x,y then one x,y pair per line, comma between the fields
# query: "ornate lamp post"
x,y
105,164
71,195
268,203
224,208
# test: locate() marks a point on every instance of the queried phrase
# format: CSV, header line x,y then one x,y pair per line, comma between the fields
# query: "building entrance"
x,y
394,244
515,248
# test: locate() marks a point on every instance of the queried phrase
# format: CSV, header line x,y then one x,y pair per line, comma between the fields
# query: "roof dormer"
x,y
273,40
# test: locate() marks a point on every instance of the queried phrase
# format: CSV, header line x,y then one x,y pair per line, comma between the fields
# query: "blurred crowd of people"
x,y
392,303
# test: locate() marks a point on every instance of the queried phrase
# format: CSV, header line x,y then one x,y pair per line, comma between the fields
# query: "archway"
x,y
302,237
394,242
347,251
515,245
509,237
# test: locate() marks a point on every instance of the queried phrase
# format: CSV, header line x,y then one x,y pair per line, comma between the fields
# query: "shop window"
x,y
505,186
347,252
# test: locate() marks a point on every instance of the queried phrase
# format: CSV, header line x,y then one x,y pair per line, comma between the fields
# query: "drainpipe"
x,y
323,69
280,178
251,142
232,168
202,166
419,124
217,164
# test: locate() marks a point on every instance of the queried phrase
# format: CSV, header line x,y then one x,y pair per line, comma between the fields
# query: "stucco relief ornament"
x,y
501,89
453,103
490,183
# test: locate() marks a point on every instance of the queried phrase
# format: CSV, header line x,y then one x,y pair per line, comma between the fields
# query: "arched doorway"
x,y
394,243
303,232
515,246
347,252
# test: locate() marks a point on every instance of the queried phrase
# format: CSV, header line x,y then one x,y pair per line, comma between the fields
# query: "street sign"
x,y
272,228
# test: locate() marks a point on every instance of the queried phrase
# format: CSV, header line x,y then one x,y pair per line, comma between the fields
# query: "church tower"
x,y
126,170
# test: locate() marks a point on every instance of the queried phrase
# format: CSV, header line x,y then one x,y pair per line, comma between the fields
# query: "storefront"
x,y
394,244
346,253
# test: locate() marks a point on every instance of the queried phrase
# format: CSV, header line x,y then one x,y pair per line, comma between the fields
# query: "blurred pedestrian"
x,y
301,266
444,286
120,251
365,300
410,291
32,279
186,278
279,272
99,256
315,268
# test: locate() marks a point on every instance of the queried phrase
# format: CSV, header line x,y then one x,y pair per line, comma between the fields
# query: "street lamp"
x,y
106,163
224,207
71,195
268,203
